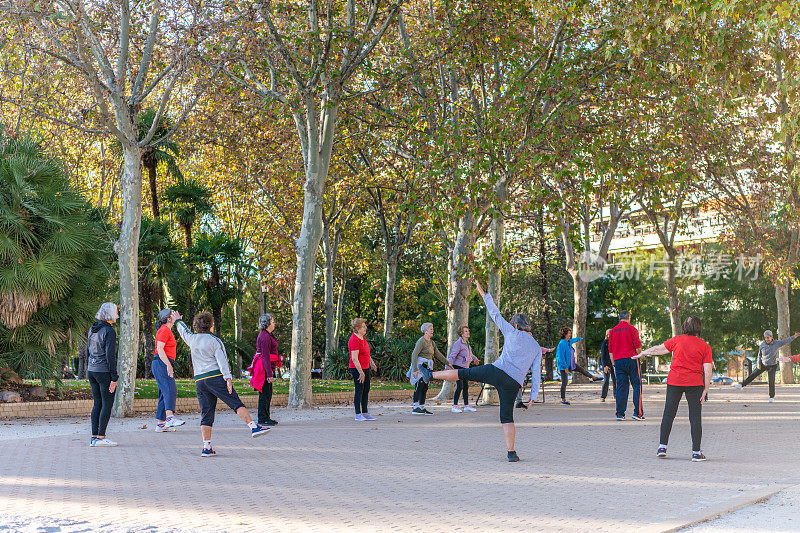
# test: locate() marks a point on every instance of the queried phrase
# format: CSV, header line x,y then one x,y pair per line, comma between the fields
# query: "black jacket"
x,y
605,356
101,349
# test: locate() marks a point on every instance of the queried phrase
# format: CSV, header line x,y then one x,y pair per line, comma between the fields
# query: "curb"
x,y
709,513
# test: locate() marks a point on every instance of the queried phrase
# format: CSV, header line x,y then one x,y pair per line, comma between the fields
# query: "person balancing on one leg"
x,y
624,343
521,353
768,360
212,377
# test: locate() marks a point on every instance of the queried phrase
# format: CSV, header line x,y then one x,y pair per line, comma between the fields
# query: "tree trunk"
x,y
494,287
672,294
82,361
187,236
337,327
388,298
317,156
238,330
127,249
330,306
150,164
216,313
148,290
782,299
543,270
580,294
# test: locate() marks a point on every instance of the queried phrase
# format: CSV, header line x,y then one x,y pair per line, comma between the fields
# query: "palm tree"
x,y
55,260
164,152
189,200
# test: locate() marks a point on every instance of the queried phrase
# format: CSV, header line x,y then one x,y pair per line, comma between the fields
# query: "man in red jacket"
x,y
624,343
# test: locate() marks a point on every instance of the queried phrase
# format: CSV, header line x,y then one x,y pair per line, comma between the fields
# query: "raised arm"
x,y
491,309
655,350
575,339
185,333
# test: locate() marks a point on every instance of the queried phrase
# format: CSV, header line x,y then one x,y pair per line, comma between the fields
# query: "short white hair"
x,y
425,327
108,311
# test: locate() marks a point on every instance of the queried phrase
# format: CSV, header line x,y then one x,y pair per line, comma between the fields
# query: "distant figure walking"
x,y
624,343
768,360
101,355
689,374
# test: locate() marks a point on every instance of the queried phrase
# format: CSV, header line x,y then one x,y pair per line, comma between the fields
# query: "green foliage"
x,y
54,260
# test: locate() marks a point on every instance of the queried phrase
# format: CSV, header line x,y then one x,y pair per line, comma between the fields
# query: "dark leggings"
x,y
770,370
103,401
421,390
674,394
264,399
462,387
565,374
507,388
362,391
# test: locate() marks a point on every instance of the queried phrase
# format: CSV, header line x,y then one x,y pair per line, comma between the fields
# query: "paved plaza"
x,y
319,470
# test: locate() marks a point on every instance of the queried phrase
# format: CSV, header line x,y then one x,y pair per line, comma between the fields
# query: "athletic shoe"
x,y
426,412
565,402
160,428
417,411
104,443
771,400
368,417
208,452
697,457
456,409
662,451
92,442
175,422
427,375
737,385
360,418
469,409
258,431
513,457
602,400
621,418
270,422
520,405
637,417
597,379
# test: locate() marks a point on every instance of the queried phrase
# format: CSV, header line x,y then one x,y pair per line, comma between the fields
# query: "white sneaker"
x,y
771,400
456,409
469,409
360,418
162,428
175,422
104,443
737,385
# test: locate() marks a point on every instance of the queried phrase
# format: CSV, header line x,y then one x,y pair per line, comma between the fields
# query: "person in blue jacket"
x,y
565,361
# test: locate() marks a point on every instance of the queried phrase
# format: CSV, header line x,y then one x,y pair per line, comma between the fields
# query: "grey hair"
x,y
108,311
264,321
521,322
425,326
624,315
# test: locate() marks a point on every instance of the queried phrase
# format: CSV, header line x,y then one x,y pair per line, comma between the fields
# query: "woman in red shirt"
x,y
361,366
690,374
163,371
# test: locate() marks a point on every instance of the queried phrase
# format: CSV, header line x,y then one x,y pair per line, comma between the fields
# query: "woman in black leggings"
x,y
101,355
689,374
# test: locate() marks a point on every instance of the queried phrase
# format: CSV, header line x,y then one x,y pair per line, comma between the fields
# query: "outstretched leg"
x,y
446,375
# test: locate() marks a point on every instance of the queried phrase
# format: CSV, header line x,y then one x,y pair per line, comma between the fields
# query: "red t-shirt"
x,y
164,334
688,355
363,350
623,341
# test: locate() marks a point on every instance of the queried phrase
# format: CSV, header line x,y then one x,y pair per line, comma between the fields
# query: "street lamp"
x,y
264,295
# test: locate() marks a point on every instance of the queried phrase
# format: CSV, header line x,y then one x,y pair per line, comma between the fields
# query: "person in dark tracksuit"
x,y
607,365
101,355
624,343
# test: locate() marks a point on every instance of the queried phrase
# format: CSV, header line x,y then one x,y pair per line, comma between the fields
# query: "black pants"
x,y
609,376
462,387
421,391
361,391
770,369
208,391
565,373
264,399
674,394
506,387
103,401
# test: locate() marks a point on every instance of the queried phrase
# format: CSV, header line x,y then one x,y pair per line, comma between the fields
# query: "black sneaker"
x,y
662,451
698,456
565,402
259,430
427,375
513,457
521,405
417,411
208,452
426,412
270,422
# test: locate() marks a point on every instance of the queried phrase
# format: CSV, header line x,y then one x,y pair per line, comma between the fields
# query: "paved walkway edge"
x,y
709,513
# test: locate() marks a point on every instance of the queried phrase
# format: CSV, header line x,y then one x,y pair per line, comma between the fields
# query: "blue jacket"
x,y
565,354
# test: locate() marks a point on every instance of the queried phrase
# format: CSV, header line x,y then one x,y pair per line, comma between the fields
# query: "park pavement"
x,y
581,470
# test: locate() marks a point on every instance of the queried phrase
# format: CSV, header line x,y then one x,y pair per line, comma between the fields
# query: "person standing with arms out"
x,y
689,374
101,356
624,343
521,354
422,356
565,361
607,364
267,346
461,356
163,371
361,368
768,360
212,377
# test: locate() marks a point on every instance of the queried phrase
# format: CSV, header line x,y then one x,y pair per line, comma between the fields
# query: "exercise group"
x,y
689,375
